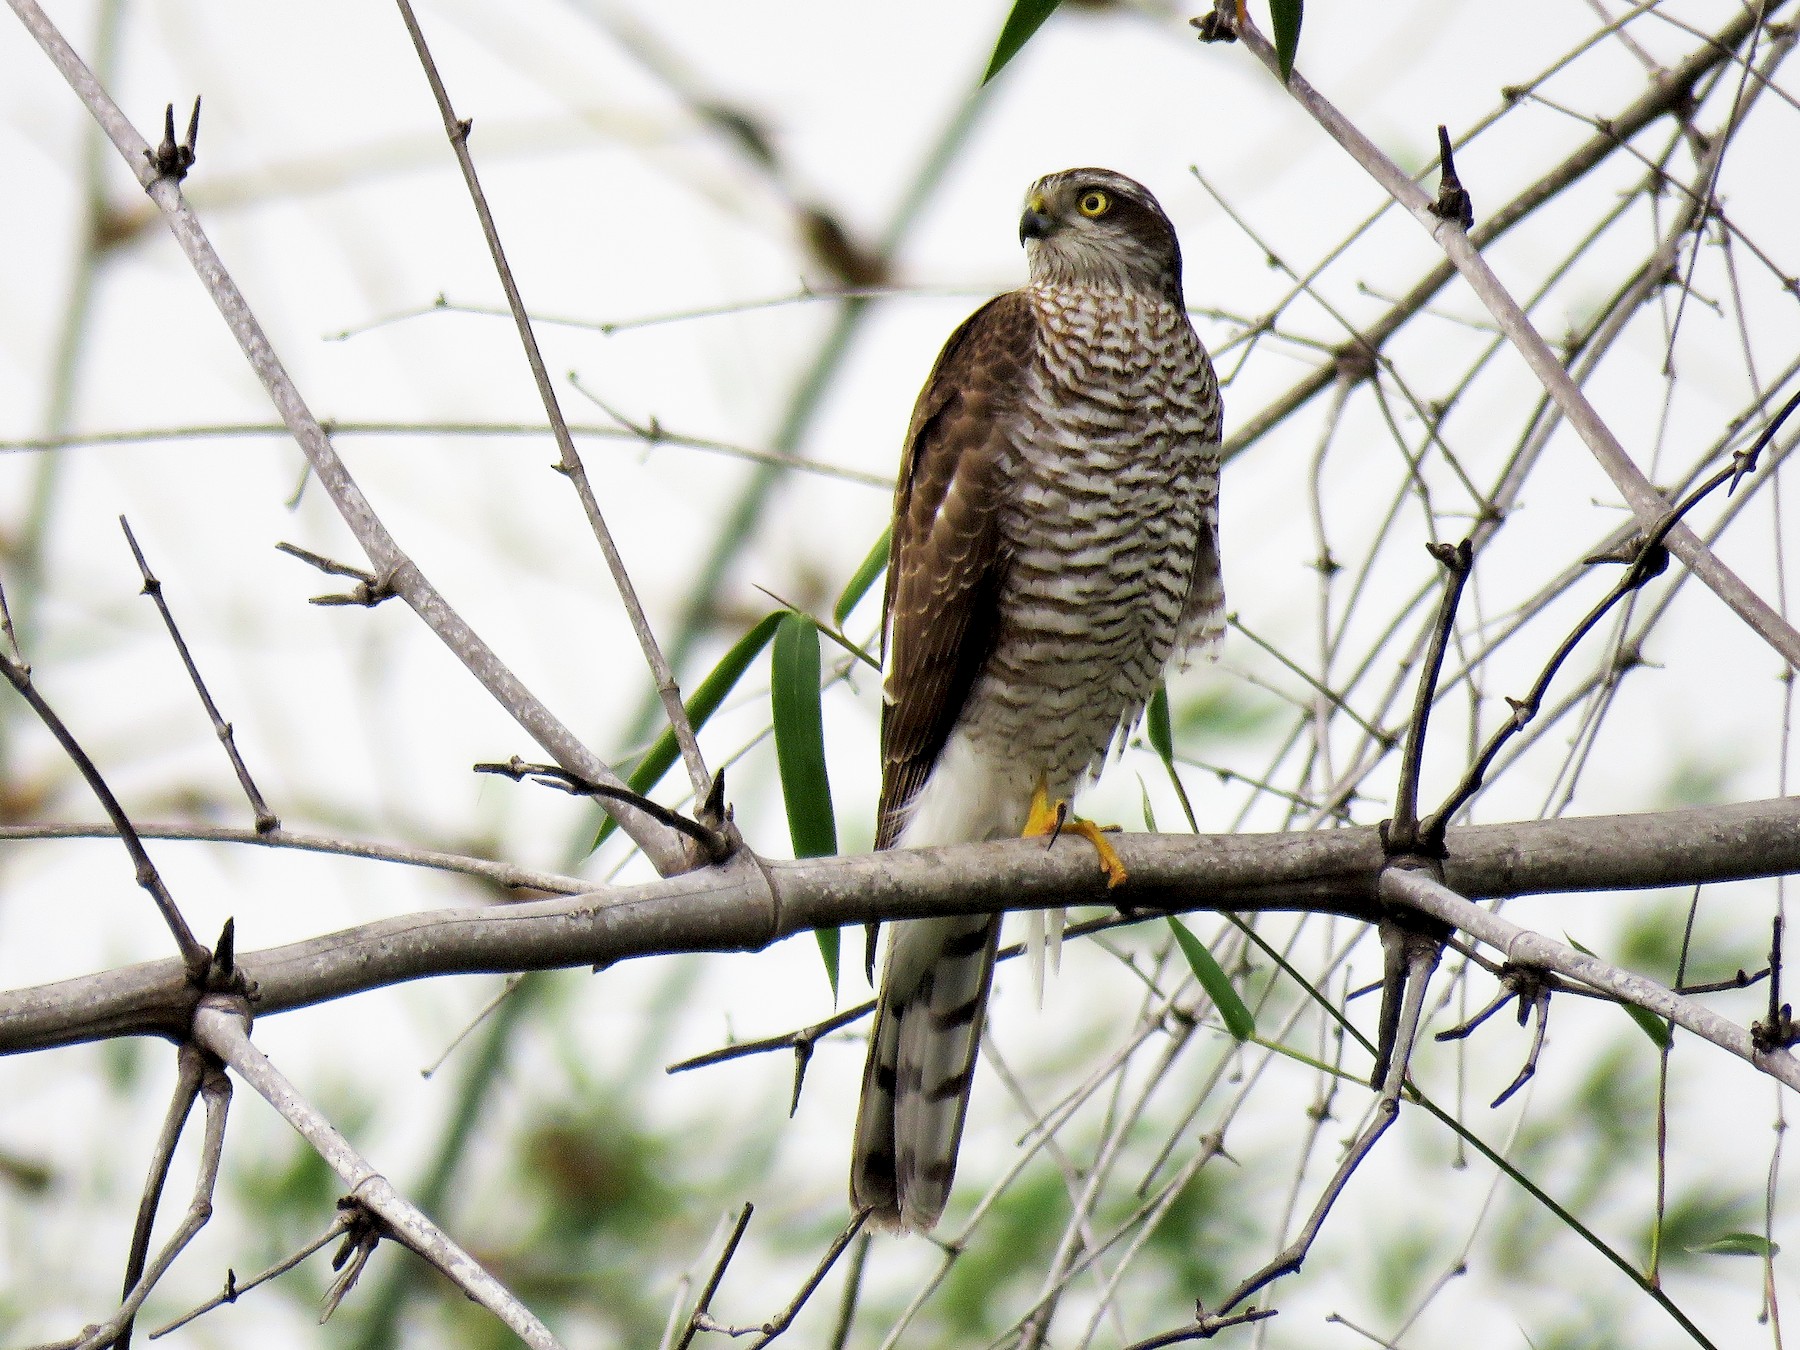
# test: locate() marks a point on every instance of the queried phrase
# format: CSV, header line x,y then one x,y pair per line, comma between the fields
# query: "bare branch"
x,y
733,908
1523,946
224,1030
571,464
1645,501
194,956
266,821
663,847
215,1092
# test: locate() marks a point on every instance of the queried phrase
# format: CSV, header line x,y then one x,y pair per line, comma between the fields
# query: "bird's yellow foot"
x,y
1052,818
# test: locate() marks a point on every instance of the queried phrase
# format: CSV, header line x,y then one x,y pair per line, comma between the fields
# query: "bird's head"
x,y
1094,227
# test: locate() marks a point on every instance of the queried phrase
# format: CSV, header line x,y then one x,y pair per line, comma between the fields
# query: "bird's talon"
x,y
1050,819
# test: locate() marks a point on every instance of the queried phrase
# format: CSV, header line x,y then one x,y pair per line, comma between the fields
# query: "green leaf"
x,y
1738,1244
800,737
1284,16
1149,811
829,940
1162,740
1238,1019
701,705
871,568
1026,18
1661,1034
1156,725
800,752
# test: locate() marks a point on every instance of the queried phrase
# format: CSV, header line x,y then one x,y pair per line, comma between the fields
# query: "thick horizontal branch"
x,y
748,903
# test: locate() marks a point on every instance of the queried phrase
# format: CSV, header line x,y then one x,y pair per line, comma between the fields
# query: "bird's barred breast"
x,y
1116,475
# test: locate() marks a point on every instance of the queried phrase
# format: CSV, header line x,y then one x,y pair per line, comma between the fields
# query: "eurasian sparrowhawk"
x,y
1055,546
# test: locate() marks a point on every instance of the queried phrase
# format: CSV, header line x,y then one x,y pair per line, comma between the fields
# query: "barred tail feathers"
x,y
920,1069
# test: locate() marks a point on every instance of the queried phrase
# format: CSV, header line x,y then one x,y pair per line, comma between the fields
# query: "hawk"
x,y
1055,546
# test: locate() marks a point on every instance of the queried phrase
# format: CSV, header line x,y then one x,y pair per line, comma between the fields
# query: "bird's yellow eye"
x,y
1094,203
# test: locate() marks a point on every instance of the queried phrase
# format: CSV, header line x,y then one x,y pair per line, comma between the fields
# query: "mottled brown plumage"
x,y
1055,544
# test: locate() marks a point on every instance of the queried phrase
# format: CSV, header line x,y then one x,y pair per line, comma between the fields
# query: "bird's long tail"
x,y
921,1066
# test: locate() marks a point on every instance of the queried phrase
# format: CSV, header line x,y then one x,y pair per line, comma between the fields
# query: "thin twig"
x,y
190,1070
1522,945
1643,498
266,821
215,1092
234,1290
506,875
662,847
223,1028
194,956
785,1318
711,1287
571,463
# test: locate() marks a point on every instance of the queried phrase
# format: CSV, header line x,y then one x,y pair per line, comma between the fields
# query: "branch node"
x,y
1220,25
171,160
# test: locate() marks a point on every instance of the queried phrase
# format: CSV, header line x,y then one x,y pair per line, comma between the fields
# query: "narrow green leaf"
x,y
1738,1244
800,752
1284,16
1149,811
1156,725
800,737
829,940
1162,740
1238,1019
1026,18
1661,1035
1651,1025
701,704
872,567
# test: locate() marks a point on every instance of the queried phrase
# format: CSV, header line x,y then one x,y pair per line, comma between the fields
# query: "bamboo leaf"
x,y
1284,17
864,578
1162,740
1737,1244
1238,1019
800,752
1026,18
1656,1028
1156,725
701,705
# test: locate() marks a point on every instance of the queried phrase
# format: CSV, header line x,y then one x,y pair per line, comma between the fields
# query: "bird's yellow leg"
x,y
1052,818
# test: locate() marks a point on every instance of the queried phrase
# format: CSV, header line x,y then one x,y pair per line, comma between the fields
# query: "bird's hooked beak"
x,y
1036,223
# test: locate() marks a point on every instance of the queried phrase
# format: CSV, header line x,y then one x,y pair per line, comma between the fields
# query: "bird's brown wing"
x,y
947,560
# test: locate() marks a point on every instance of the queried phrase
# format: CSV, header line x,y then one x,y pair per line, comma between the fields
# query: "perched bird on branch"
x,y
1055,546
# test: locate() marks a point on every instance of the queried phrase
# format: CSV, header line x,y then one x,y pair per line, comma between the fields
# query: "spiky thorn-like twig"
x,y
1408,946
172,160
801,1042
1205,1325
1453,200
1777,1031
715,843
266,821
1422,957
1532,987
199,1076
371,589
1647,504
349,1212
222,1026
